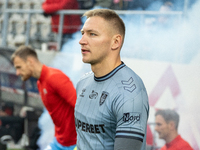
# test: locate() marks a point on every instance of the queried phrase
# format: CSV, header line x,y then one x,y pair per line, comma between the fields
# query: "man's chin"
x,y
85,61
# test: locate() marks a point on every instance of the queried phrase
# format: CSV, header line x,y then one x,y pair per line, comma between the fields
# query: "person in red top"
x,y
57,92
167,127
71,23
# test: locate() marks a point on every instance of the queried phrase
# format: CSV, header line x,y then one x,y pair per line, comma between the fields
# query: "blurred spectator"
x,y
71,22
10,124
86,4
103,3
163,21
166,20
179,5
6,109
131,4
59,97
167,122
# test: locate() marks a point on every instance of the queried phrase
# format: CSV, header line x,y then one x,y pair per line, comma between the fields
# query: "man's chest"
x,y
94,104
48,96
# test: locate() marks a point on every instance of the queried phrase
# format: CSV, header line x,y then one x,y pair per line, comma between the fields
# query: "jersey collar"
x,y
109,75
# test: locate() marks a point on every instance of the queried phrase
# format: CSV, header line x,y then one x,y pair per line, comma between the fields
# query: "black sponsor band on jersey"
x,y
129,137
91,128
130,134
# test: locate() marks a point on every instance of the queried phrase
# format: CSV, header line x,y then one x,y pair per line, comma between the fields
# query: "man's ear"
x,y
29,61
117,42
172,125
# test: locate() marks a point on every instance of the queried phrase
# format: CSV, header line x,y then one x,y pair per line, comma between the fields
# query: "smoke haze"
x,y
175,41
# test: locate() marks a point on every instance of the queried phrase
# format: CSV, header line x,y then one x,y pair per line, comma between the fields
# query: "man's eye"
x,y
158,124
92,34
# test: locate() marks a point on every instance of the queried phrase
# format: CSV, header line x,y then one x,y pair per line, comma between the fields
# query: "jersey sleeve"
x,y
127,144
64,87
131,113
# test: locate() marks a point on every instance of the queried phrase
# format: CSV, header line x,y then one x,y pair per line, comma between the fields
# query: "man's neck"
x,y
104,68
37,70
171,137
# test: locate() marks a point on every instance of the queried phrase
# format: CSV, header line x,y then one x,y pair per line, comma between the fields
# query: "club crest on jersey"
x,y
82,94
44,91
93,95
103,97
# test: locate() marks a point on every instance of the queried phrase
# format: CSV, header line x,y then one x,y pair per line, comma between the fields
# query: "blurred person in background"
x,y
166,21
112,105
167,122
71,23
103,3
11,126
6,109
57,93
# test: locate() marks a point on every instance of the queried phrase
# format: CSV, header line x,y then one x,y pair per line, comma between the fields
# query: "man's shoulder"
x,y
163,148
87,75
185,144
179,144
55,72
54,75
126,76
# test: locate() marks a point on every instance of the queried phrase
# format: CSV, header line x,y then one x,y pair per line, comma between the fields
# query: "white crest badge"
x,y
44,91
103,97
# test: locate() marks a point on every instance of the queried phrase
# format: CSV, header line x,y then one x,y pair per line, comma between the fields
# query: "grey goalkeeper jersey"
x,y
113,106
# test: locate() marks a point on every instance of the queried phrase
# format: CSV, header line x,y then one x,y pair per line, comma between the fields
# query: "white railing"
x,y
30,12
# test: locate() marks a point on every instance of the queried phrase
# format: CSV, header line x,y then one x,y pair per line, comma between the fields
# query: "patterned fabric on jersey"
x,y
59,97
113,106
177,144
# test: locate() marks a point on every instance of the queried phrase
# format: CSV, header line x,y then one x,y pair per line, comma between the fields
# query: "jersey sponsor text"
x,y
91,128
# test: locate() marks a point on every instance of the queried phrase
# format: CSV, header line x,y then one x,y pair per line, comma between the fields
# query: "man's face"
x,y
22,68
96,40
162,127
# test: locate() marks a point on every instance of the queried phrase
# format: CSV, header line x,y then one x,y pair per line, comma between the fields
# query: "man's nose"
x,y
156,128
17,72
82,40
